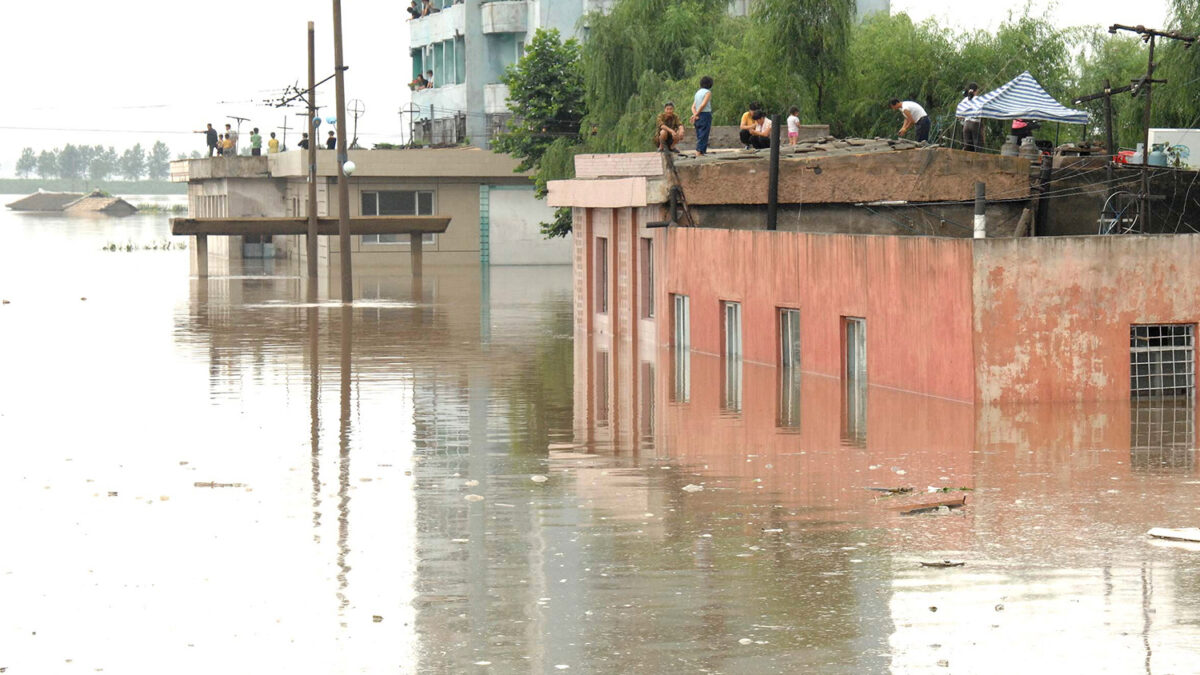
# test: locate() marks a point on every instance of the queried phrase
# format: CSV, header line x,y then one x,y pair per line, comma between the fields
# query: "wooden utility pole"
x,y
1149,36
311,240
343,189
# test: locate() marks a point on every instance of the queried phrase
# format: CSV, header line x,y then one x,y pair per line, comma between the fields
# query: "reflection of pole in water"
x,y
314,403
344,456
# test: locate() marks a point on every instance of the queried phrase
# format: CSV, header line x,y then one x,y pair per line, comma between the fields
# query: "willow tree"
x,y
663,37
1177,103
808,38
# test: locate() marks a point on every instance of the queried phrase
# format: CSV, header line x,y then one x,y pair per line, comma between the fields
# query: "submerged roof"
x,y
97,202
44,201
1020,98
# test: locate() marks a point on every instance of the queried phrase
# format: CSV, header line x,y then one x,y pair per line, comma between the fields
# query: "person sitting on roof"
x,y
760,135
668,129
747,124
428,8
414,10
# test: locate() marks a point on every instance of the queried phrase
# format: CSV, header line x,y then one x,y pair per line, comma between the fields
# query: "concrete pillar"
x,y
417,250
476,62
202,255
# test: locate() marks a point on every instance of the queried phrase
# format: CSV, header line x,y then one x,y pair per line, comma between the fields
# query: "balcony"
x,y
444,25
505,16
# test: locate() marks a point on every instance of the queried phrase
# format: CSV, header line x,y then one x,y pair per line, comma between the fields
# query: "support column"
x,y
980,211
417,250
202,255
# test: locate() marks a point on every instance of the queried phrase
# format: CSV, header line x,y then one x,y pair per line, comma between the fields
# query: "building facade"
x,y
469,43
494,213
999,319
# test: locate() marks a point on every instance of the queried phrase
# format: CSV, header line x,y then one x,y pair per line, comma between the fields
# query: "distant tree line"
x,y
96,162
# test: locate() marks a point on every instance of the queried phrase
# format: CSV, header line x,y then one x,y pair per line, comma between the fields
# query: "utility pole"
x,y
1149,36
343,189
311,238
1110,146
773,176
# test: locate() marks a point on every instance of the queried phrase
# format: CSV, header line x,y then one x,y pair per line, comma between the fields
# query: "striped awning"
x,y
1021,98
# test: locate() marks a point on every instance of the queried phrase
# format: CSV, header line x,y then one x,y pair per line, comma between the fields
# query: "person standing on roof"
x,y
331,142
793,122
702,114
914,117
303,142
972,126
273,144
232,137
255,143
210,138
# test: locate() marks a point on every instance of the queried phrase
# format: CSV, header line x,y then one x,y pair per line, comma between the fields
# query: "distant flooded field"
x,y
234,476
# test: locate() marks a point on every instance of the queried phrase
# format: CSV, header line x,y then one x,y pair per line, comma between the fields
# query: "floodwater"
x,y
234,476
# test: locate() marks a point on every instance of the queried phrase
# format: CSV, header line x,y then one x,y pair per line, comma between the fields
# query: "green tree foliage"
x,y
71,162
1119,59
1177,103
47,164
545,96
158,162
27,163
808,38
103,164
133,163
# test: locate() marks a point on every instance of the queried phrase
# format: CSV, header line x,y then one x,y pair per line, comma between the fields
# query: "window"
x,y
647,400
602,275
681,323
1162,436
854,354
397,203
460,61
681,355
789,338
788,416
647,264
439,64
1161,361
418,67
732,339
601,402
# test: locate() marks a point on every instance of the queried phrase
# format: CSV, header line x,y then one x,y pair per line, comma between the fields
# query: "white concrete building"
x,y
494,215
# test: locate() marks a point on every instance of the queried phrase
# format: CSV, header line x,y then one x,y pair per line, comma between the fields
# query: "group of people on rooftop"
x,y
226,144
424,8
754,130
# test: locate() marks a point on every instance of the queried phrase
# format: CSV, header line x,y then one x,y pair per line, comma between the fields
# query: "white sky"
x,y
144,70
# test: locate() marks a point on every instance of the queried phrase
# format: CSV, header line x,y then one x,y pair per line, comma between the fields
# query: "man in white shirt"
x,y
914,117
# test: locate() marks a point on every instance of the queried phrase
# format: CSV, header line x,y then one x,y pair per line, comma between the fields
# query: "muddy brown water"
x,y
233,476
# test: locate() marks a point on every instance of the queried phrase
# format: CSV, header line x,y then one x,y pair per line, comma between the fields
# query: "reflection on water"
x,y
408,535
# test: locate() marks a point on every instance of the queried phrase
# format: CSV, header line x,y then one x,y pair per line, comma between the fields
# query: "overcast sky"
x,y
131,71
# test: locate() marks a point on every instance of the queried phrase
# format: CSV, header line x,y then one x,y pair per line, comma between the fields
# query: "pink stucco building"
x,y
910,305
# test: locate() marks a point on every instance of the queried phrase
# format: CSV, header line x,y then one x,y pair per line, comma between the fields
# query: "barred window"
x,y
1161,361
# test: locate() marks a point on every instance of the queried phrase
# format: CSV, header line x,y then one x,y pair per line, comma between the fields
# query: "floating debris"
x,y
692,488
539,478
377,619
943,563
211,484
474,498
1176,534
745,641
893,490
471,483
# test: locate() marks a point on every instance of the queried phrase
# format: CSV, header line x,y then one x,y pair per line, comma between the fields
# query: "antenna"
x,y
239,128
285,128
357,109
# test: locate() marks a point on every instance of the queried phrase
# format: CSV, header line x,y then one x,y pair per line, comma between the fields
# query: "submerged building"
x,y
875,275
494,215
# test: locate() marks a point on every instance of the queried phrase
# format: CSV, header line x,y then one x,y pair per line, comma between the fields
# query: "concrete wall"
x,y
914,293
515,217
1052,314
458,245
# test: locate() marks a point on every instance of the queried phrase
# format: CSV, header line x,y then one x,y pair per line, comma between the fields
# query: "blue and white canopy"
x,y
1021,98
